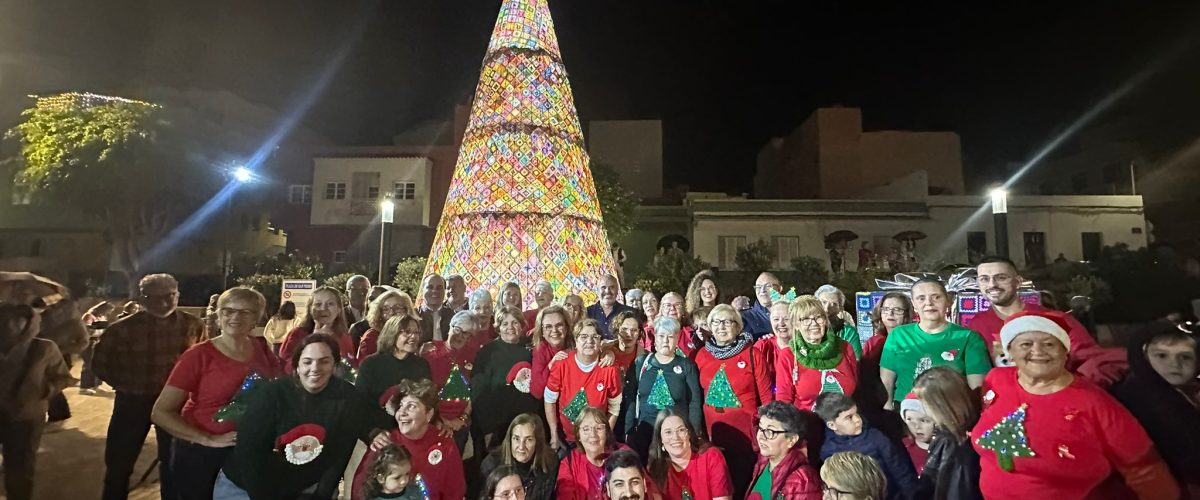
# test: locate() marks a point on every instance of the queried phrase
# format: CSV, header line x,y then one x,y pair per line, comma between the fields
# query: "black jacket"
x,y
1172,422
951,471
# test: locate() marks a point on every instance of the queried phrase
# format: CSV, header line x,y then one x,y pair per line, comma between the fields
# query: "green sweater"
x,y
683,382
495,402
280,406
379,372
850,335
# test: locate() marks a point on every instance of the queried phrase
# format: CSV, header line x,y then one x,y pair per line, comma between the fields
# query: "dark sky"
x,y
724,76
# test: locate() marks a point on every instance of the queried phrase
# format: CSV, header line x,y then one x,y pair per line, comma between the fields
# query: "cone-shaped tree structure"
x,y
522,205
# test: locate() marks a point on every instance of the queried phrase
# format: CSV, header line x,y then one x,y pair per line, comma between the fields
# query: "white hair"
x,y
830,289
479,295
667,324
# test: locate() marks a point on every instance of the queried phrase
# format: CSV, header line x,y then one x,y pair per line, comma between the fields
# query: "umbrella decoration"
x,y
24,287
909,235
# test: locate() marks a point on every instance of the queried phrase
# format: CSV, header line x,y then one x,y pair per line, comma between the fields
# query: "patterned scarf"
x,y
739,344
823,356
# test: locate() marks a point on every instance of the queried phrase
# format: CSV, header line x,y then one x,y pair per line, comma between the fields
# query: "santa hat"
x,y
1048,322
512,374
911,403
386,398
302,444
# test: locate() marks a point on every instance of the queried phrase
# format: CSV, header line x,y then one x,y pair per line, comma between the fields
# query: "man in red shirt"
x,y
1000,281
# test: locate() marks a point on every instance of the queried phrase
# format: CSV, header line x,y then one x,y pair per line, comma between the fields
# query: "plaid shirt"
x,y
136,354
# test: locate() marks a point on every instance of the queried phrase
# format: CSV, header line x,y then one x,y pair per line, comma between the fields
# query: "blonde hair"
x,y
391,333
499,314
244,293
504,288
728,310
375,310
568,337
805,306
948,400
856,474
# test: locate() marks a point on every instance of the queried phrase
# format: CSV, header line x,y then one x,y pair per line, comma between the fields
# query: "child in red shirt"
x,y
920,431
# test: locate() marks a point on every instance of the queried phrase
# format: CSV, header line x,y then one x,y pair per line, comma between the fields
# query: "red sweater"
x,y
567,380
295,337
919,456
540,371
441,360
368,344
768,350
435,458
705,477
578,479
1078,435
748,377
800,385
794,478
213,379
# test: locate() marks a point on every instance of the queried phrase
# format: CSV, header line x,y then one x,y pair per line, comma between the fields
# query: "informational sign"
x,y
299,292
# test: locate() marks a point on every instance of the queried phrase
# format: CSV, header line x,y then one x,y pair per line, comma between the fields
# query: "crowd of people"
x,y
370,393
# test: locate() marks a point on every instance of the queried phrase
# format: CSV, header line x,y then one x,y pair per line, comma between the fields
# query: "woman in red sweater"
x,y
435,459
1046,433
325,315
581,381
551,335
195,405
816,361
683,465
626,348
581,472
450,363
386,305
735,384
771,345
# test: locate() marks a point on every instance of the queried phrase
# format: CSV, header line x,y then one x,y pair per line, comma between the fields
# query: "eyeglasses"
x,y
229,311
410,331
760,288
670,306
830,491
587,338
811,320
722,322
770,433
892,311
671,433
393,309
518,492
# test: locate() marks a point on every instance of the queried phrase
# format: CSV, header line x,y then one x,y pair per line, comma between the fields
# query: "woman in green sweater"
x,y
500,382
395,360
658,380
298,432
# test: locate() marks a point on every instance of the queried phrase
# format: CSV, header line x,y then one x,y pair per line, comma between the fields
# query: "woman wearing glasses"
x,y
850,475
816,361
503,484
783,470
195,406
383,308
893,310
735,383
683,465
551,335
659,380
581,472
396,360
579,382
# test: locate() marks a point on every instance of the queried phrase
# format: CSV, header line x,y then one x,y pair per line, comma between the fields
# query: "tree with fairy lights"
x,y
456,387
1007,438
720,393
576,406
522,204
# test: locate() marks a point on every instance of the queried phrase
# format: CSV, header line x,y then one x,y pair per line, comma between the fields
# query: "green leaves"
x,y
617,204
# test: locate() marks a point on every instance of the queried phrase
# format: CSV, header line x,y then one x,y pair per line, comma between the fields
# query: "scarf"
x,y
739,344
823,356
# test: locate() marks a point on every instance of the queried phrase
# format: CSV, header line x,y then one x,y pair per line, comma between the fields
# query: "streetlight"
x,y
1000,220
240,175
387,208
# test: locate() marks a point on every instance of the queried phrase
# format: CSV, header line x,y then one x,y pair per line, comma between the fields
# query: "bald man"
x,y
757,319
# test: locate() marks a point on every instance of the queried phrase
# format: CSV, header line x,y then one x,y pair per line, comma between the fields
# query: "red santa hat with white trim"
x,y
1049,322
911,402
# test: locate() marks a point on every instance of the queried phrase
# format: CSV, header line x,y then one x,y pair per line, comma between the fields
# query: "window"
x,y
786,249
339,257
976,246
727,247
335,191
1035,250
301,194
1091,246
404,191
365,185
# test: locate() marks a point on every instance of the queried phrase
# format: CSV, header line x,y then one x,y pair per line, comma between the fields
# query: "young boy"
x,y
920,431
846,431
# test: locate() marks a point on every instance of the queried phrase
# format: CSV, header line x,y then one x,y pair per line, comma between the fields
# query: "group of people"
x,y
671,396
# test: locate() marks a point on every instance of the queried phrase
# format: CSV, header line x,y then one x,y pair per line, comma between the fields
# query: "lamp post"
x,y
386,210
1000,220
240,175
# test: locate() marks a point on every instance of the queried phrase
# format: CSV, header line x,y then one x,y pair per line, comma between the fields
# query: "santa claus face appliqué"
x,y
302,444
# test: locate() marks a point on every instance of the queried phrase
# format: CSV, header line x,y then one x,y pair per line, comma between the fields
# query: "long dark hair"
x,y
543,458
659,460
287,310
494,478
381,465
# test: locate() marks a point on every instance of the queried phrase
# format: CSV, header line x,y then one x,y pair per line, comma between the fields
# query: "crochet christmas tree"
x,y
1007,438
720,392
522,204
456,387
660,396
924,364
234,409
577,404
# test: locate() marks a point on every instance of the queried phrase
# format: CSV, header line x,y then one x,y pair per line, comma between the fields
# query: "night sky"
x,y
724,76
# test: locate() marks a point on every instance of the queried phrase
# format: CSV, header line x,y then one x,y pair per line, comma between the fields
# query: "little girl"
x,y
920,431
391,476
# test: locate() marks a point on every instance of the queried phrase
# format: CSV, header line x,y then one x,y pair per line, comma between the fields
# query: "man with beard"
x,y
606,307
624,479
1000,281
